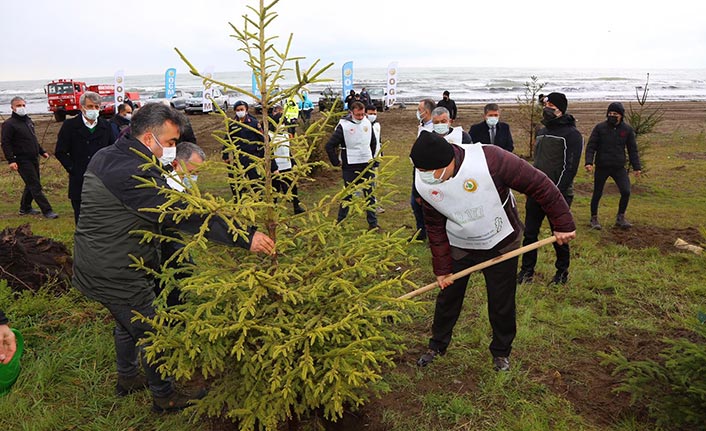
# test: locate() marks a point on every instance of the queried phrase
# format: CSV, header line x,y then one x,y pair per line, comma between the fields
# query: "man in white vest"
x,y
424,118
441,123
355,139
471,216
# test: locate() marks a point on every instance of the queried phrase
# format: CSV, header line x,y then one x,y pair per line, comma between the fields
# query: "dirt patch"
x,y
586,189
645,236
691,156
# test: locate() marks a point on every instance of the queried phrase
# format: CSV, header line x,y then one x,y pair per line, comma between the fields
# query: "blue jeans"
x,y
127,333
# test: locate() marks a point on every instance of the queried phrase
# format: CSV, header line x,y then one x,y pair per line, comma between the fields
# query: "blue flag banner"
x,y
255,89
170,83
347,81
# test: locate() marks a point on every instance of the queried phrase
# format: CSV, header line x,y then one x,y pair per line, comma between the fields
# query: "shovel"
x,y
482,265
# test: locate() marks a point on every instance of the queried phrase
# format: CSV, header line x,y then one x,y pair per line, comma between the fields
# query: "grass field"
x,y
627,291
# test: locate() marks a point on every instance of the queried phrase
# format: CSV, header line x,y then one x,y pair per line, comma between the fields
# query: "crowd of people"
x,y
461,198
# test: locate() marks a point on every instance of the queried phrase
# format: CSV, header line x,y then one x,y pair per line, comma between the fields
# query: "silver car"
x,y
177,101
194,104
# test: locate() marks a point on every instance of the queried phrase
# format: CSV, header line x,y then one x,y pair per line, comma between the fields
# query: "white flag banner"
x,y
119,88
207,103
391,90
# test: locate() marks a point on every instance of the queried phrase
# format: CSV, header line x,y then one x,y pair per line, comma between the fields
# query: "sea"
x,y
466,85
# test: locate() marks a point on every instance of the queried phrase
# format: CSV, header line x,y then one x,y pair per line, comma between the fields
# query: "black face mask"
x,y
548,114
613,121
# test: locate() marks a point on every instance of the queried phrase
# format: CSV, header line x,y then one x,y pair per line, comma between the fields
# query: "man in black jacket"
x,y
121,119
606,147
491,130
79,139
449,104
21,148
105,242
557,153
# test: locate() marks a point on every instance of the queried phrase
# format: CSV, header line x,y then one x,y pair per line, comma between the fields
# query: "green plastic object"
x,y
10,371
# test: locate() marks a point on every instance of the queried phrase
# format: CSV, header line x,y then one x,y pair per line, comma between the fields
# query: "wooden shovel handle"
x,y
482,265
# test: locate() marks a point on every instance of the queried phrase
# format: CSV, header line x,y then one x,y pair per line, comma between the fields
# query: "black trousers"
x,y
283,185
29,172
349,176
622,180
76,204
534,216
500,285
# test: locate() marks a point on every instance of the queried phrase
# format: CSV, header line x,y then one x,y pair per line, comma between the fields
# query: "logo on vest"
x,y
470,185
436,195
365,129
498,224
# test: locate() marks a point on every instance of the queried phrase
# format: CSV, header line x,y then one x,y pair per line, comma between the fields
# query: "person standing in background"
x,y
21,148
491,130
449,104
424,116
121,119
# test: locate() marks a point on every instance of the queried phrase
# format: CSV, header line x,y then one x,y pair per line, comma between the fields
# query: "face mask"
x,y
91,114
491,121
354,121
441,128
612,120
128,117
419,116
428,177
372,117
548,114
240,114
190,180
168,154
21,111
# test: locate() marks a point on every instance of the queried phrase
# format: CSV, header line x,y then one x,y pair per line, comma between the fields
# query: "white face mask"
x,y
21,111
491,121
190,180
168,153
91,114
128,117
372,117
428,177
441,128
419,116
240,114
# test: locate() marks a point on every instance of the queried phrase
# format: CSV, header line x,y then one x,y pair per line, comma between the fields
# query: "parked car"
x,y
194,103
178,101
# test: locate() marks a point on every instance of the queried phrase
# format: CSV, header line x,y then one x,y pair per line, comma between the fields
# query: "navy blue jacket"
x,y
503,138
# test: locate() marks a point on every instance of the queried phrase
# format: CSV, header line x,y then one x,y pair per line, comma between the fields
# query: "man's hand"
x,y
637,173
13,166
8,344
444,281
45,155
589,168
262,243
564,237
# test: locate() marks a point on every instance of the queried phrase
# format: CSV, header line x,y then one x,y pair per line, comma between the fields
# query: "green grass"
x,y
617,297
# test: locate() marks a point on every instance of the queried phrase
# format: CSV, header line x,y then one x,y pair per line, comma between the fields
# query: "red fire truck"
x,y
64,96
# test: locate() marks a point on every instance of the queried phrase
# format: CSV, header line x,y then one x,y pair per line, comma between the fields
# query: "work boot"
x,y
594,223
428,357
501,363
561,277
621,222
176,401
525,276
128,385
298,209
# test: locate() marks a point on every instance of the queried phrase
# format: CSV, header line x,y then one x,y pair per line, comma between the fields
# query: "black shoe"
x,y
298,209
561,277
525,276
128,385
176,401
51,215
31,211
621,222
595,224
375,227
501,363
428,357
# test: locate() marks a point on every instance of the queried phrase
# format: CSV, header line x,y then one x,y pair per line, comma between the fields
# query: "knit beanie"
x,y
431,151
558,100
616,107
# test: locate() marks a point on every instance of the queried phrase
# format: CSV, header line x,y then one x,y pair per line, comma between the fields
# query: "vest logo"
x,y
470,185
436,195
365,129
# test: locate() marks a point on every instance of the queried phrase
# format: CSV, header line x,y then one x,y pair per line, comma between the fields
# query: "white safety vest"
x,y
282,155
428,128
357,138
173,181
475,217
376,130
455,137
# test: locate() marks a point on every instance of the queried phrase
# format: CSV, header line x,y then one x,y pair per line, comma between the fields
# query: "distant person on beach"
x,y
106,242
79,140
121,119
491,130
8,343
352,147
557,153
365,97
441,122
471,217
22,150
449,104
606,149
424,110
349,99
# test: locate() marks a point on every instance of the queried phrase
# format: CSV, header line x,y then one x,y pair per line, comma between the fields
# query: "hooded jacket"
x,y
558,152
607,144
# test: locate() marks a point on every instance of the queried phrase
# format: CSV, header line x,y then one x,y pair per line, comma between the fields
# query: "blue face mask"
x,y
428,177
419,116
491,121
441,128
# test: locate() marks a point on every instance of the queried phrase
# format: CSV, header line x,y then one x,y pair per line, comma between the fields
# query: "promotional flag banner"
x,y
255,89
170,83
391,90
207,103
347,81
119,89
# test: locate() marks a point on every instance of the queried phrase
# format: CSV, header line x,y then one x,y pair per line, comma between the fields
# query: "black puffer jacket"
x,y
19,140
558,152
607,144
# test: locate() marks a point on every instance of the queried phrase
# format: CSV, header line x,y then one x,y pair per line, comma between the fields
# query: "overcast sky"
x,y
46,39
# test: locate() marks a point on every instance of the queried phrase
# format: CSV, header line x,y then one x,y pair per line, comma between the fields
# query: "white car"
x,y
177,101
195,103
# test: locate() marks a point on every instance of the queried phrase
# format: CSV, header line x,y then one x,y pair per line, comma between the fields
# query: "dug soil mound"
x,y
645,236
29,261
